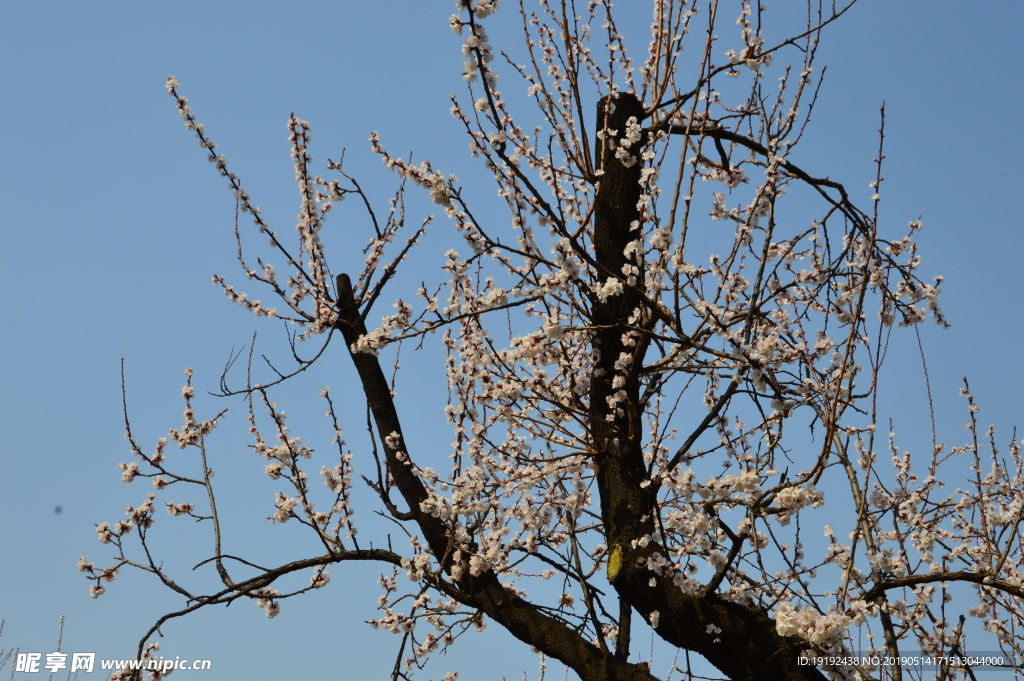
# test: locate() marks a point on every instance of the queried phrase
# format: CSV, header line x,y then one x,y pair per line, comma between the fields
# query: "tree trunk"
x,y
748,648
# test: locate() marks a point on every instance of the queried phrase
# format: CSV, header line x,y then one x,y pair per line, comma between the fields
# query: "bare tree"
x,y
642,417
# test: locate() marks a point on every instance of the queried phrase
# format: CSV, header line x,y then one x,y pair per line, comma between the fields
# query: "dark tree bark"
x,y
748,647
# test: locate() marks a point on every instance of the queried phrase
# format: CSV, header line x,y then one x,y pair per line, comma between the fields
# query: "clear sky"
x,y
113,222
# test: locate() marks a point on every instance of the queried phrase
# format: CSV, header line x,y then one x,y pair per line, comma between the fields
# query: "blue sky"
x,y
113,222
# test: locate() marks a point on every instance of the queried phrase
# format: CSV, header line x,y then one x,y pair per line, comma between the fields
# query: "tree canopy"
x,y
643,422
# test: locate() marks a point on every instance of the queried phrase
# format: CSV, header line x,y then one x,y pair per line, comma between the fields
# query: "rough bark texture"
x,y
617,435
